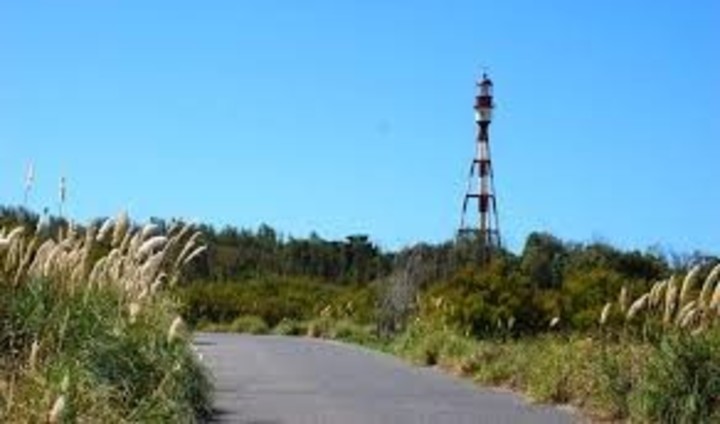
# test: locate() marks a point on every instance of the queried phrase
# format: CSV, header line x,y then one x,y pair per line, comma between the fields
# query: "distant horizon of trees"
x,y
275,275
356,257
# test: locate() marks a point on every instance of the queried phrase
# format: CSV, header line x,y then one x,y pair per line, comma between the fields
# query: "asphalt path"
x,y
292,380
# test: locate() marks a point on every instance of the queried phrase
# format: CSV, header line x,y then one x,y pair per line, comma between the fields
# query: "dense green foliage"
x,y
241,254
273,279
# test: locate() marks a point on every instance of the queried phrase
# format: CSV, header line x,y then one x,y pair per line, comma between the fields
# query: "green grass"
x,y
117,370
676,381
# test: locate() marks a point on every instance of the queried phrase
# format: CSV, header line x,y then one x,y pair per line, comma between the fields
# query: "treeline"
x,y
262,272
239,254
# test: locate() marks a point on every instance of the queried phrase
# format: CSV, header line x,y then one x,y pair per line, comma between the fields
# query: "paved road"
x,y
283,380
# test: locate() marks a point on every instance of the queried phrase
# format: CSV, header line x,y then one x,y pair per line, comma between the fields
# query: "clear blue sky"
x,y
356,116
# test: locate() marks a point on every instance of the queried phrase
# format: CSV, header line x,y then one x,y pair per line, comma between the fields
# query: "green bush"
x,y
351,332
272,299
249,324
289,327
319,327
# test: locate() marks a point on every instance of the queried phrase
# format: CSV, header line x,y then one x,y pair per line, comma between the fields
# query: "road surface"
x,y
290,380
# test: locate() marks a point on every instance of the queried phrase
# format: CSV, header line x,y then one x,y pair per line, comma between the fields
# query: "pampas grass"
x,y
105,229
57,411
623,299
176,329
33,358
554,322
637,306
100,308
605,313
149,230
670,297
688,284
678,308
195,253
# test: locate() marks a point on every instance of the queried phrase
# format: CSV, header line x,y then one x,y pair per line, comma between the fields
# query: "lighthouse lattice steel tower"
x,y
483,227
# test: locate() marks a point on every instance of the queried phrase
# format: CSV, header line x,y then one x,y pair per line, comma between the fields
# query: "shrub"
x,y
249,324
289,327
319,327
351,332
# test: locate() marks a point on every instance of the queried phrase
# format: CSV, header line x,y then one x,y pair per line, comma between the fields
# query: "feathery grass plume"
x,y
176,329
637,306
688,283
189,245
127,239
144,292
104,231
15,233
14,257
57,411
184,231
554,322
151,267
715,299
172,227
684,311
656,294
195,253
623,299
149,230
150,246
160,281
12,254
122,224
133,311
41,255
49,264
670,300
135,243
85,264
116,264
688,318
32,359
706,294
98,271
176,238
77,275
24,264
605,313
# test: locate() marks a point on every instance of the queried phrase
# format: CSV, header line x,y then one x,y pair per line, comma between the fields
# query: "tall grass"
x,y
87,330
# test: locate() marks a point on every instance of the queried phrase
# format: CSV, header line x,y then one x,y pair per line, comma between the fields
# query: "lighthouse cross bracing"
x,y
485,227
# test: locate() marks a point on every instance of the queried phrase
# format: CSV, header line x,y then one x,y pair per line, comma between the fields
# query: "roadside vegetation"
x,y
88,329
622,335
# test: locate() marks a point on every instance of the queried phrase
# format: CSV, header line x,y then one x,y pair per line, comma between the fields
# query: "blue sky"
x,y
356,116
